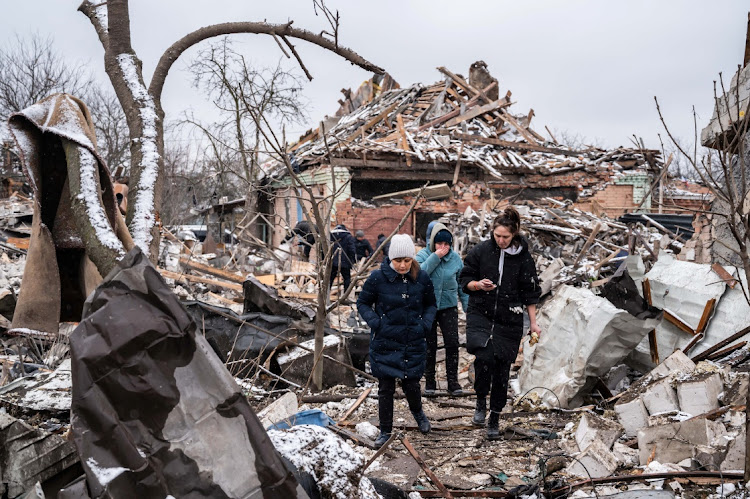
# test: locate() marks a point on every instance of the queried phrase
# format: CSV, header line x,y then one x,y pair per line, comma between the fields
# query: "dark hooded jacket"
x,y
344,250
495,318
364,248
399,311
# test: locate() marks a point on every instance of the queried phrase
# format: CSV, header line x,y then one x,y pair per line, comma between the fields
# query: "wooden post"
x,y
458,164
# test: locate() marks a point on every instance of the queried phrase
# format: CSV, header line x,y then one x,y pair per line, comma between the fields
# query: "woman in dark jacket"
x,y
398,303
500,277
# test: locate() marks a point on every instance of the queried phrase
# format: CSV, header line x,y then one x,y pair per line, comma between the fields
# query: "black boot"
x,y
480,413
382,439
422,422
493,426
451,371
429,386
455,389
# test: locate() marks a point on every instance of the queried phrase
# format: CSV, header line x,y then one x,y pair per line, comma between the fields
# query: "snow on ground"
x,y
334,463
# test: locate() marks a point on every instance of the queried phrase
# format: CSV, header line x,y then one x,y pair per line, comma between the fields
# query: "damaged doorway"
x,y
422,220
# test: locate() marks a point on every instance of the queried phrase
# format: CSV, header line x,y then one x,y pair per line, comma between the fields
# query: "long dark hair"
x,y
414,270
510,219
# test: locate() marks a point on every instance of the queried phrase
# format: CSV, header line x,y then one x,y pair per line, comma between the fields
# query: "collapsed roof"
x,y
433,131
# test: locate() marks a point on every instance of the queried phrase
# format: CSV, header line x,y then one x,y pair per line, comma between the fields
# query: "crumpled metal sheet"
x,y
683,288
247,336
583,336
154,411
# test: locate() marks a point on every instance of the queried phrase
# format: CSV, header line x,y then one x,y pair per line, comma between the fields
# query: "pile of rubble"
x,y
571,246
457,122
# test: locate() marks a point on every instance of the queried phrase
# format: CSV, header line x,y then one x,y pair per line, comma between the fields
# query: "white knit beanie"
x,y
401,247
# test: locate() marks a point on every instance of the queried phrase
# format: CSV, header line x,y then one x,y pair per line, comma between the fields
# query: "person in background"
x,y
304,230
500,277
398,303
443,265
344,254
364,249
381,238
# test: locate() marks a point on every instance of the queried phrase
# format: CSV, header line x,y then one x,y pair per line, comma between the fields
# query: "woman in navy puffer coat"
x,y
398,303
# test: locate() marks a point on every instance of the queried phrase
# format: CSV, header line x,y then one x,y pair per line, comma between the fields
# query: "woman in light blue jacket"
x,y
443,265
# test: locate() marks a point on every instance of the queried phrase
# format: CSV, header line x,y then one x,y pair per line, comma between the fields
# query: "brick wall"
x,y
383,219
613,200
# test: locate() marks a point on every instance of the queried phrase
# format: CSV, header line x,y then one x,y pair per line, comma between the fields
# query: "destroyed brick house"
x,y
461,137
640,387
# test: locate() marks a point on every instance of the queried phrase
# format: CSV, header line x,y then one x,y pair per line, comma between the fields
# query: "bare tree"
x,y
31,69
576,141
111,129
241,93
142,102
724,171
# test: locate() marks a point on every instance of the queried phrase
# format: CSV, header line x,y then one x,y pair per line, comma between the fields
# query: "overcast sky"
x,y
586,67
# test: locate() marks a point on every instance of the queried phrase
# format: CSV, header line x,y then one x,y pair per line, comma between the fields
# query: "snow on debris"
x,y
334,464
104,475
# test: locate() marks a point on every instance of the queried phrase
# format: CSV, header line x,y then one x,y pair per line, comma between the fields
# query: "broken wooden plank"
x,y
600,282
588,242
467,104
514,145
458,164
677,321
357,439
706,315
521,129
402,133
356,404
207,269
652,343
721,272
653,347
19,242
725,351
477,111
721,344
267,279
204,280
424,467
369,124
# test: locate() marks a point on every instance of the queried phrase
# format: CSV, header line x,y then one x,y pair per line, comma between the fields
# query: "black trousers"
x,y
386,390
492,377
447,319
345,274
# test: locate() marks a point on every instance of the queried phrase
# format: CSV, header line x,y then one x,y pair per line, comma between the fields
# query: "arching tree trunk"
x,y
142,103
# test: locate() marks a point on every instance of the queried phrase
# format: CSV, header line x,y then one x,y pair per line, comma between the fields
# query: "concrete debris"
x,y
49,391
30,455
595,462
296,364
280,409
700,394
594,428
660,397
735,455
671,443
